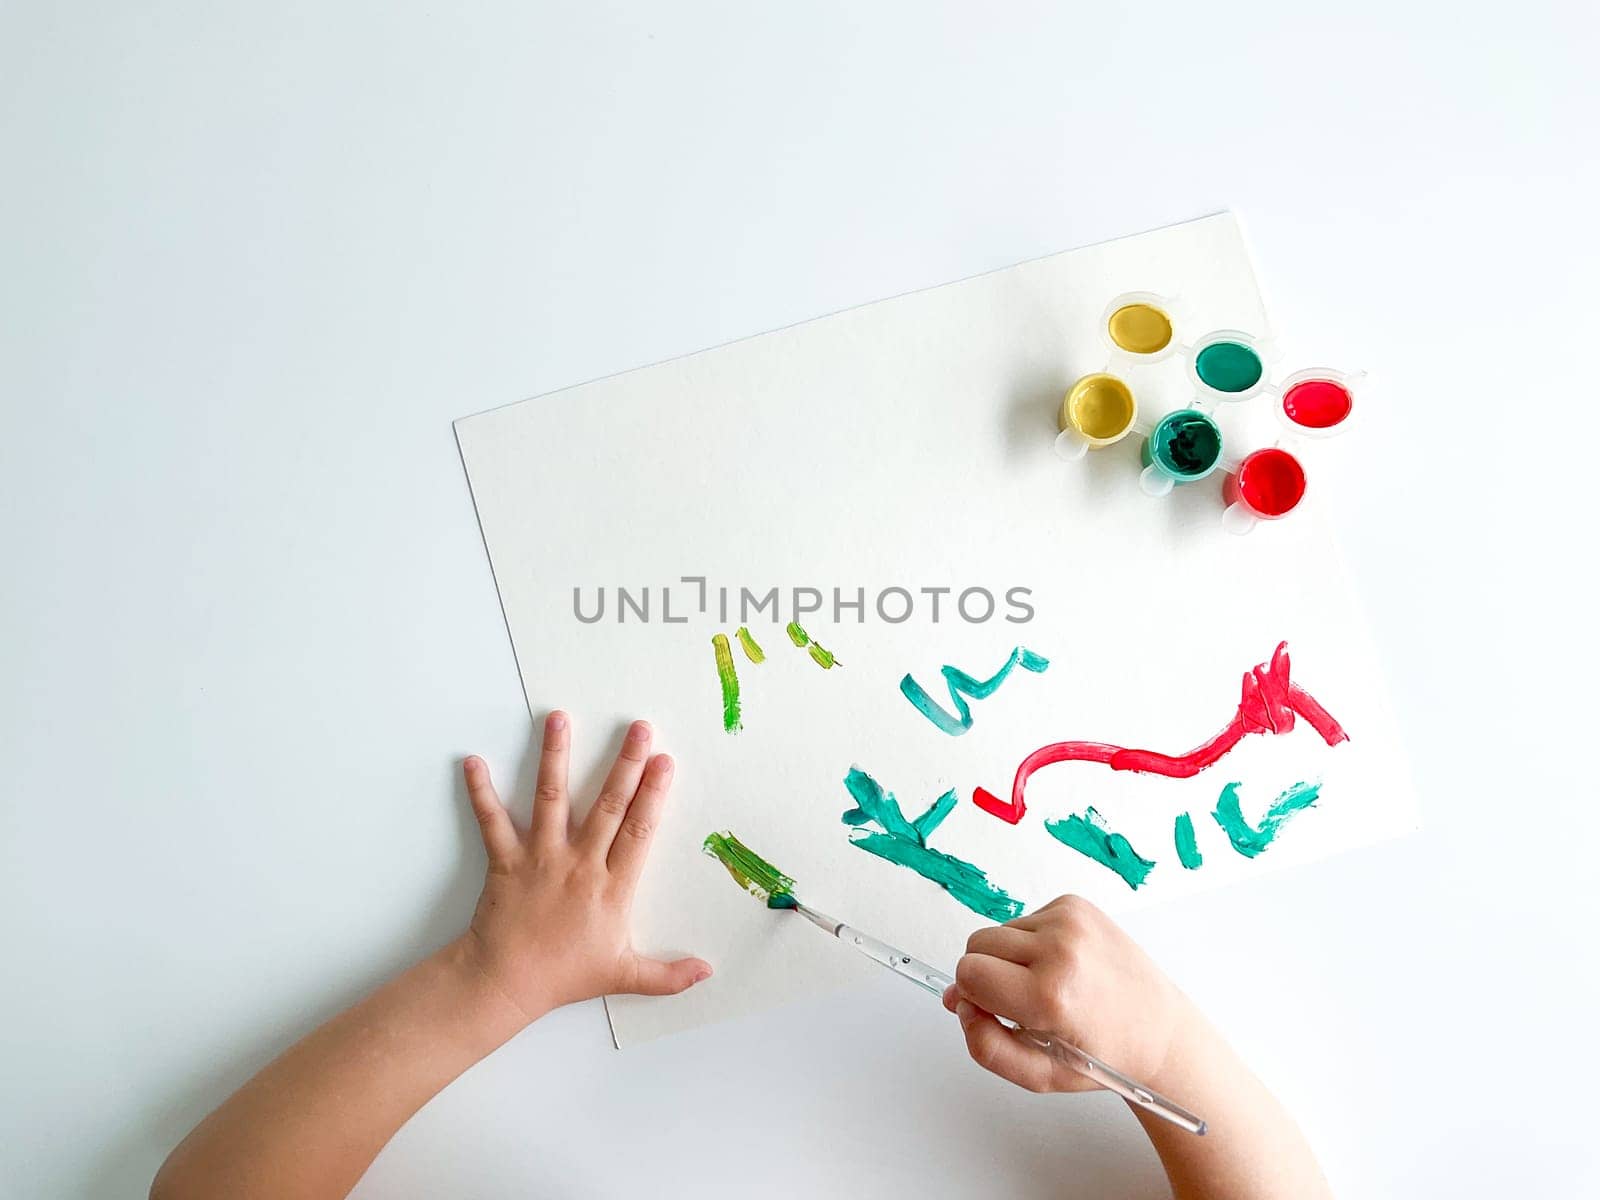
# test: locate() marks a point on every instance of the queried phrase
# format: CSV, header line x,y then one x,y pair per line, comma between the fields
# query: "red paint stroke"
x,y
1269,704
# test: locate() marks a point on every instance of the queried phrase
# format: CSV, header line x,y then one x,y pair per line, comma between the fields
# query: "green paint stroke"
x,y
1089,836
823,658
749,870
905,843
1251,840
961,685
730,683
752,648
1183,838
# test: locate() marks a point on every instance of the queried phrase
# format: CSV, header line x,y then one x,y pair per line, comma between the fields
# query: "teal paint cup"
x,y
1185,446
1227,366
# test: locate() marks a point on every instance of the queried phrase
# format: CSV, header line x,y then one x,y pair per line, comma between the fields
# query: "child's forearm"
x,y
1252,1149
311,1122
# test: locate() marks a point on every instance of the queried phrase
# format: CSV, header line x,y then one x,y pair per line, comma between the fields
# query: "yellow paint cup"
x,y
1139,327
1098,409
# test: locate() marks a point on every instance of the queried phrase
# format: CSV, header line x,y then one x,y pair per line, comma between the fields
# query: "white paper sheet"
x,y
908,444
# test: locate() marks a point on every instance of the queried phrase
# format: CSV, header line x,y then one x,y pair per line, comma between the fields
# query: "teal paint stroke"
x,y
962,685
1089,836
1183,838
1250,840
905,843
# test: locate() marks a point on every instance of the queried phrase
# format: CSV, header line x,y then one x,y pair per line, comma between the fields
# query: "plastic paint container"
x,y
1140,327
1317,403
1227,366
1267,486
1185,446
1097,410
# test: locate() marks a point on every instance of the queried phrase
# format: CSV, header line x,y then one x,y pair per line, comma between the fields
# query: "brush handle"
x,y
1112,1080
927,977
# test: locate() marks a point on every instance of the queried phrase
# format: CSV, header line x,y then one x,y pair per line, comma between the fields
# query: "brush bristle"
x,y
750,871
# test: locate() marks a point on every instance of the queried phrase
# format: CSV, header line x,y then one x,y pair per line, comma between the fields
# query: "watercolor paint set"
x,y
1186,445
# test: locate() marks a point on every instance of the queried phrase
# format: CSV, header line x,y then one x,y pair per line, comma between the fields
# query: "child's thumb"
x,y
652,977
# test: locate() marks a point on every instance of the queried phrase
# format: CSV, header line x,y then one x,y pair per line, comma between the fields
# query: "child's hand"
x,y
1065,969
552,924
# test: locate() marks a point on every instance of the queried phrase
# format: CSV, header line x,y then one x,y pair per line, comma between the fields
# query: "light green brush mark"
x,y
1089,836
823,658
1251,840
961,685
752,649
905,843
730,683
749,870
1183,838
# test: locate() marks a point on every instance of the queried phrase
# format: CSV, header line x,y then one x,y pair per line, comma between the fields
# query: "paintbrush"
x,y
764,881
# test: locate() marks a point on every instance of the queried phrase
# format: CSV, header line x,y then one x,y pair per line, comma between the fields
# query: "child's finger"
x,y
1040,916
616,794
1001,941
652,977
494,824
994,1048
632,844
1032,921
998,986
550,793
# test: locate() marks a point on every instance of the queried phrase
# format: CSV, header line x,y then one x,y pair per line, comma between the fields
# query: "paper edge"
x,y
1219,214
499,593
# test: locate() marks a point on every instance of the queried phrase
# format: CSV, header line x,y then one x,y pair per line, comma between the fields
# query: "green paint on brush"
x,y
1251,840
905,843
823,658
1089,836
730,683
1183,838
752,649
750,871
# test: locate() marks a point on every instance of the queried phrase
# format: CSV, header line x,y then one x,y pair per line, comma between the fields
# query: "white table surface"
x,y
255,258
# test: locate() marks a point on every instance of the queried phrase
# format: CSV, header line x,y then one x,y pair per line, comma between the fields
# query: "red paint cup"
x,y
1267,486
1317,403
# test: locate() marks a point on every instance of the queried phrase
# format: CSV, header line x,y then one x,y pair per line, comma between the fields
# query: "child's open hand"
x,y
1065,969
552,924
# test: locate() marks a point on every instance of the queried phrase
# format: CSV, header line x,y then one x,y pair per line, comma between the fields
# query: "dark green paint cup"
x,y
1185,446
